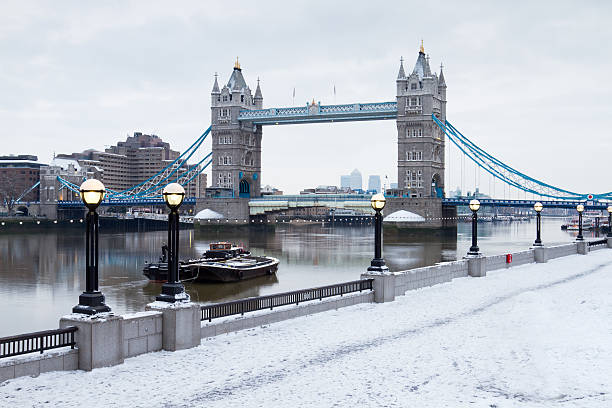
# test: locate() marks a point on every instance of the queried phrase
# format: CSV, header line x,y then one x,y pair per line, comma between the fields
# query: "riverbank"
x,y
537,335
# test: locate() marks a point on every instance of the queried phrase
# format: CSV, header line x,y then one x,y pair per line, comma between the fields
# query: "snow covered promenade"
x,y
538,335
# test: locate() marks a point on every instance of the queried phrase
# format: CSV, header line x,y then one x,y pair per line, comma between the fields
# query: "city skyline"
x,y
84,76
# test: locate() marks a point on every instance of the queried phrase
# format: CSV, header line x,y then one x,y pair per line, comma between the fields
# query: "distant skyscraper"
x,y
352,181
374,184
356,181
345,181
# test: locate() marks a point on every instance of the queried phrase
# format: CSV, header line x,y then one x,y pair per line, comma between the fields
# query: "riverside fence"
x,y
242,306
37,342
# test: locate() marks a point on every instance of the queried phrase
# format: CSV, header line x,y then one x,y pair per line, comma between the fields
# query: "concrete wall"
x,y
447,271
429,276
34,364
255,319
142,333
562,250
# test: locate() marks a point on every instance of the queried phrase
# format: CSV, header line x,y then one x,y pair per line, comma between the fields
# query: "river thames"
x,y
42,274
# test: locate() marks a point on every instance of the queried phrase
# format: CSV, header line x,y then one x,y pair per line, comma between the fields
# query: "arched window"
x,y
244,188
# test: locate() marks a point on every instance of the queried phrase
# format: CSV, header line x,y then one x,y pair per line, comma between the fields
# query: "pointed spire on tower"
x,y
237,64
258,91
427,71
401,74
441,81
216,85
422,49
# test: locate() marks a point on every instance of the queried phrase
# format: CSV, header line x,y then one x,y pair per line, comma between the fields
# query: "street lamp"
x,y
580,209
378,202
609,221
173,290
538,209
92,300
474,206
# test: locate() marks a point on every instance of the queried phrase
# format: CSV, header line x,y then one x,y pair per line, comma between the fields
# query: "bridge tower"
x,y
236,148
420,142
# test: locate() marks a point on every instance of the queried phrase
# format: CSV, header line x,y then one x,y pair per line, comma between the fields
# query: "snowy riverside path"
x,y
530,336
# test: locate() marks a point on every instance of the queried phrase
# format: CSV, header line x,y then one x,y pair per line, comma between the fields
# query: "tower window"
x,y
241,98
224,98
413,86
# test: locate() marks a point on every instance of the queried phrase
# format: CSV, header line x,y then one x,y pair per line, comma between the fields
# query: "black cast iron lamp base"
x,y
378,202
474,250
538,209
580,209
173,290
91,301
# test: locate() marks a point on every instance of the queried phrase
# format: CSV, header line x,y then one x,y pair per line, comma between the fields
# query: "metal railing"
x,y
37,342
603,241
252,304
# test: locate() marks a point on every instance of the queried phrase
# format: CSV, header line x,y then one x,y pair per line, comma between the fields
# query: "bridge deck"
x,y
320,113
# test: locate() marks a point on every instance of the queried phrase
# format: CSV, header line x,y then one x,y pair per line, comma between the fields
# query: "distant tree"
x,y
9,192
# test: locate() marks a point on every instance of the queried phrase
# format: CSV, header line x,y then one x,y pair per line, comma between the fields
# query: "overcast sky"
x,y
527,81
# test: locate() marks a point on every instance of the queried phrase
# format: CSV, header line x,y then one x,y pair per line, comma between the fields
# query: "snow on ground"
x,y
530,336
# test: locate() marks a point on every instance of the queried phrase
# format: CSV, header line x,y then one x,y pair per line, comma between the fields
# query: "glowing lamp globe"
x,y
378,201
474,205
174,194
609,209
580,208
92,193
538,206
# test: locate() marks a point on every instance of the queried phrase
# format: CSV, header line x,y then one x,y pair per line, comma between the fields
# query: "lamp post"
x,y
609,221
474,206
538,209
580,209
173,290
92,300
378,202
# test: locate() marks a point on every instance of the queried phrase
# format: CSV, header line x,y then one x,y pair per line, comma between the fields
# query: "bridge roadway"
x,y
361,202
358,202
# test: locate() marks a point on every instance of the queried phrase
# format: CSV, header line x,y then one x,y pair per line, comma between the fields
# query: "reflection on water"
x,y
42,275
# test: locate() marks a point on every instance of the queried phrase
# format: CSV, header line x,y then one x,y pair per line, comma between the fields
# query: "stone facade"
x,y
236,147
420,142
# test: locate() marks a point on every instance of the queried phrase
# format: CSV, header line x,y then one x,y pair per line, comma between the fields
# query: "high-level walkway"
x,y
538,335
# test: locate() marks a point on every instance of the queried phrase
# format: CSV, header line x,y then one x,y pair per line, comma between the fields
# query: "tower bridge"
x,y
419,110
238,117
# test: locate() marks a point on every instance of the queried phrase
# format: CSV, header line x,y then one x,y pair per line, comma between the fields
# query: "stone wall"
x,y
429,276
562,250
231,208
34,364
142,333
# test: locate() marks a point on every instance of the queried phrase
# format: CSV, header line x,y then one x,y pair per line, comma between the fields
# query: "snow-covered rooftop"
x,y
65,163
208,214
403,216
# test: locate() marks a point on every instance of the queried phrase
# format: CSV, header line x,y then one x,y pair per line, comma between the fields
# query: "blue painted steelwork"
x,y
315,197
123,202
25,193
154,183
508,174
598,205
320,113
489,202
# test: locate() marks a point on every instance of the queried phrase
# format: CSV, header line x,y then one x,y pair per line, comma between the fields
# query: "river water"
x,y
42,274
